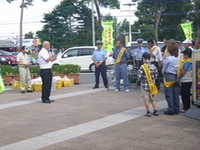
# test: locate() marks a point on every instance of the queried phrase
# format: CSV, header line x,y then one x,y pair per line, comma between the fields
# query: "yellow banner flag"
x,y
187,29
107,36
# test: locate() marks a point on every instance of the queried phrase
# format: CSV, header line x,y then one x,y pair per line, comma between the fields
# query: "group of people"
x,y
174,65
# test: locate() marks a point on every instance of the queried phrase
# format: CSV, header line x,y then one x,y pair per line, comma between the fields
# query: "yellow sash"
x,y
168,84
119,57
167,52
152,49
153,88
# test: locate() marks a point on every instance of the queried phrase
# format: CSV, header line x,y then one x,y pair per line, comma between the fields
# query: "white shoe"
x,y
127,90
116,90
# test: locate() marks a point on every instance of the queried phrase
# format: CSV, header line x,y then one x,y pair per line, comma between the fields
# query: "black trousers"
x,y
101,70
185,94
46,75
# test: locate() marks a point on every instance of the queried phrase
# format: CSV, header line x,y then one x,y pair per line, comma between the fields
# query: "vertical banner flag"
x,y
107,36
187,29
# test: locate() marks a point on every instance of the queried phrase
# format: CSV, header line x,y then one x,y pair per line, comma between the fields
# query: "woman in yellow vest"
x,y
170,71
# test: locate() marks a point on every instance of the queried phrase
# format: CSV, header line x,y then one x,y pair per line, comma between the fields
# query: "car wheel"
x,y
92,67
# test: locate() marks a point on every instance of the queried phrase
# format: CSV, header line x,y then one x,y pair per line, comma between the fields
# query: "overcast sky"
x,y
10,16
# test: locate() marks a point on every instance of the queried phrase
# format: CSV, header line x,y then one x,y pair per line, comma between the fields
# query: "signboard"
x,y
187,29
107,36
196,77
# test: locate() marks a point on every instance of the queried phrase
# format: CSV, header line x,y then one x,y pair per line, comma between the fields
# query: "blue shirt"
x,y
170,65
188,75
137,53
99,54
125,55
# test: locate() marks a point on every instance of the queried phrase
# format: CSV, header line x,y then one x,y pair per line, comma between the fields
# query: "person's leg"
x,y
124,74
97,73
104,74
46,76
117,76
145,99
28,79
176,100
185,94
169,99
22,74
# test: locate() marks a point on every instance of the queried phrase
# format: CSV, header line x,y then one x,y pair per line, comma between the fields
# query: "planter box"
x,y
9,78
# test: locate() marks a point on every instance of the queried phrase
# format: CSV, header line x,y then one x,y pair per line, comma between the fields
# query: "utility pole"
x,y
130,35
93,27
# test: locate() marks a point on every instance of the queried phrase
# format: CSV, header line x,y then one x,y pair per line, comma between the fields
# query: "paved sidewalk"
x,y
85,119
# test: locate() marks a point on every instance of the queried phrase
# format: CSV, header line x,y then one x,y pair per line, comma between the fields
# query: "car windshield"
x,y
8,53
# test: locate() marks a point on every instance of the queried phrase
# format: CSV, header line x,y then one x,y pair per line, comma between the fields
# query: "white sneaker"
x,y
116,90
127,90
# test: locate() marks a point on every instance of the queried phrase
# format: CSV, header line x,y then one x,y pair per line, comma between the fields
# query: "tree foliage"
x,y
173,13
69,24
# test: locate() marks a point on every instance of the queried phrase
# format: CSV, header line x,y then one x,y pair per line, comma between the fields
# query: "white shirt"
x,y
22,58
43,55
157,53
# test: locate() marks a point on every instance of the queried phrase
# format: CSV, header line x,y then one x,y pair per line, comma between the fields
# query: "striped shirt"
x,y
142,76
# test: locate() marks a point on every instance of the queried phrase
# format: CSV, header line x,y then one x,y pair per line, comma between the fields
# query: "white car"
x,y
80,56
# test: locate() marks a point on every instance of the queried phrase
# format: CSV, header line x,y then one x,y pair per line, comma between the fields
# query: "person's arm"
x,y
185,68
165,64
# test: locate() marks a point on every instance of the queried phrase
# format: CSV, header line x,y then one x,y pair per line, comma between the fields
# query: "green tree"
x,y
162,16
112,4
69,24
28,35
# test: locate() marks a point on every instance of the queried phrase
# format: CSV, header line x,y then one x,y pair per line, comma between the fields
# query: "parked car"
x,y
31,59
80,56
4,61
133,45
12,59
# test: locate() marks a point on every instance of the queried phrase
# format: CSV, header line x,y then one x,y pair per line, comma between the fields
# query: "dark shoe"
x,y
23,91
106,87
52,101
148,114
167,113
95,87
155,113
46,101
29,91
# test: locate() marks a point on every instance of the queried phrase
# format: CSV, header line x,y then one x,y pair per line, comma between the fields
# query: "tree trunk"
x,y
99,17
158,13
21,25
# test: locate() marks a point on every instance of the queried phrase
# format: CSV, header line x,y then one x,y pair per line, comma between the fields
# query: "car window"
x,y
1,54
85,51
70,53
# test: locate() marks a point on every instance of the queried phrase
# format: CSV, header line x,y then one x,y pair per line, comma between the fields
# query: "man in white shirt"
x,y
156,58
24,72
44,60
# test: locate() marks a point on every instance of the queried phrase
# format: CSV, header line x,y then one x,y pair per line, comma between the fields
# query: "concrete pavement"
x,y
85,119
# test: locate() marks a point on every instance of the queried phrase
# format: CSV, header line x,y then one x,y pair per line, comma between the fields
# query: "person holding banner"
x,y
147,75
121,56
171,71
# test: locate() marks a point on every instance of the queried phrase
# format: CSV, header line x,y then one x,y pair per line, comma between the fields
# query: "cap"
x,y
187,51
139,40
98,42
171,41
187,41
